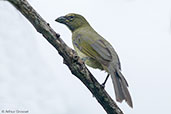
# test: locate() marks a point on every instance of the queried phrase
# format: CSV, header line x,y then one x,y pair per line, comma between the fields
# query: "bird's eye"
x,y
71,17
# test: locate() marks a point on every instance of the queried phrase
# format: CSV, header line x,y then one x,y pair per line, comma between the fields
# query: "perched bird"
x,y
97,53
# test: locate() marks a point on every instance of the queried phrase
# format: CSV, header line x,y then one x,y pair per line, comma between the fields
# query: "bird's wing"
x,y
95,49
100,47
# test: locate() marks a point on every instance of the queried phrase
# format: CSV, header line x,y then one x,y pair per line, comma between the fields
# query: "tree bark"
x,y
74,63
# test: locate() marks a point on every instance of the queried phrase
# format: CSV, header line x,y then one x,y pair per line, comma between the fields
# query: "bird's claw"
x,y
103,85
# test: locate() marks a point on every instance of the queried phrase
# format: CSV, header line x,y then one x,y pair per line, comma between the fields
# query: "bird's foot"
x,y
103,85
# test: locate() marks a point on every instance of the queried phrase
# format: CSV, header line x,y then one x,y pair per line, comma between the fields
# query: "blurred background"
x,y
34,78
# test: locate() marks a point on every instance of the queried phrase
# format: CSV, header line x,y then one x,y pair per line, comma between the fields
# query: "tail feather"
x,y
120,86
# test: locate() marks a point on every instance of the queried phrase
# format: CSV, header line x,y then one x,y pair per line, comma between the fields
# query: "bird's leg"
x,y
103,84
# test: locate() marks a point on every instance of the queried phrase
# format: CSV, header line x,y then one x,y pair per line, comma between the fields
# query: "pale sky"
x,y
34,78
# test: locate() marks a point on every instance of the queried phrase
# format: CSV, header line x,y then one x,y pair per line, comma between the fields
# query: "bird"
x,y
97,53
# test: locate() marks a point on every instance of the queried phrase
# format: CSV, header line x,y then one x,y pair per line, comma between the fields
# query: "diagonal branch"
x,y
70,58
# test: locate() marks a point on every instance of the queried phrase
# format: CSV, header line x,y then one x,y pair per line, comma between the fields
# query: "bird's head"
x,y
73,21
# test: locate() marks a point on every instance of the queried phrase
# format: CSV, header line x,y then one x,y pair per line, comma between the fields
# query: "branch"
x,y
70,57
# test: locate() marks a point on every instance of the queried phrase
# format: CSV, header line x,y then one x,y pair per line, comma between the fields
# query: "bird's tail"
x,y
120,85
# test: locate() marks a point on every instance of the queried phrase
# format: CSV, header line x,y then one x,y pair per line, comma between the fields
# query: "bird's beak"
x,y
61,19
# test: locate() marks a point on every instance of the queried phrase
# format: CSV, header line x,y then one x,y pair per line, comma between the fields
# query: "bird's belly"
x,y
93,63
89,61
